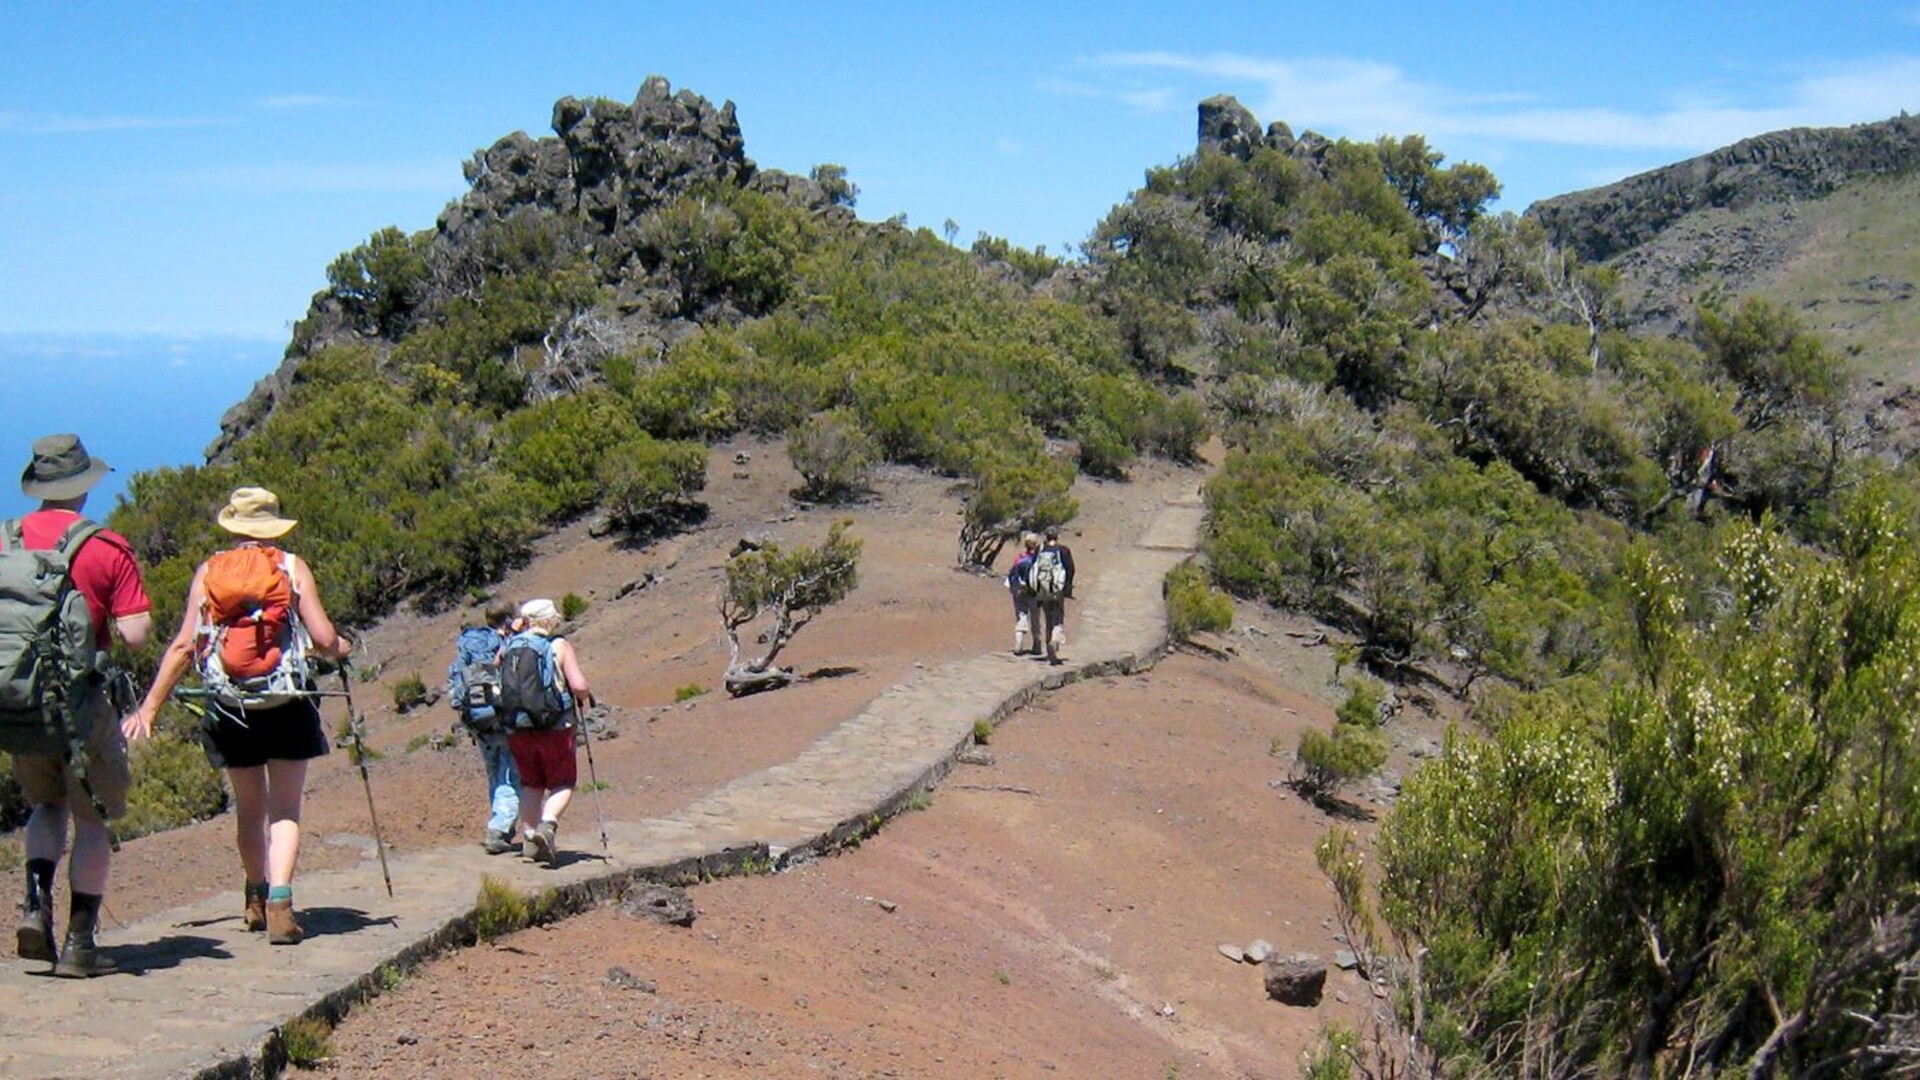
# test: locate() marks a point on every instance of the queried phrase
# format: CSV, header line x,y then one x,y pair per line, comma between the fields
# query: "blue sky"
x,y
174,178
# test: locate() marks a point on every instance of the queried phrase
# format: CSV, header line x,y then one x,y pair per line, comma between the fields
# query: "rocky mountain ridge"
x,y
1778,167
1819,220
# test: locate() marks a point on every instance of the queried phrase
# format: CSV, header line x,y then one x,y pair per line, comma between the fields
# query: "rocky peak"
x,y
607,162
1228,127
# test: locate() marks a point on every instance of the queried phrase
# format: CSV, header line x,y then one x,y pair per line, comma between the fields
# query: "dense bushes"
x,y
1714,866
1193,604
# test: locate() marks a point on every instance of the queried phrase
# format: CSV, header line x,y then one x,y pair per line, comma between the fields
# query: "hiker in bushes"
x,y
1051,578
253,619
1022,591
542,690
473,687
63,727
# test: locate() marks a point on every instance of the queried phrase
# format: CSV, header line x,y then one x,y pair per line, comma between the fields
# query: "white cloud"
x,y
438,178
30,124
1365,98
302,101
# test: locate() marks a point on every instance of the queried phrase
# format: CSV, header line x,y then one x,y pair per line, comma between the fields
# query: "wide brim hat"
x,y
541,610
254,512
61,469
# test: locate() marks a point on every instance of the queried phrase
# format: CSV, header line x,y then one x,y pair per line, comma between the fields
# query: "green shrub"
x,y
983,731
688,692
647,480
1362,705
832,454
173,785
418,742
1193,604
1324,764
409,693
500,909
307,1041
572,606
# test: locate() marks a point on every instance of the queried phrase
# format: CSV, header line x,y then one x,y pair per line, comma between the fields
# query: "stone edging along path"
x,y
199,997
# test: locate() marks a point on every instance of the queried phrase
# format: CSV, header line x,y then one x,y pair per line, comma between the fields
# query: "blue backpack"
x,y
532,694
473,680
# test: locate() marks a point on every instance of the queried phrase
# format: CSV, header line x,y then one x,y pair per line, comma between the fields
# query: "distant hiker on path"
x,y
473,687
541,689
253,611
99,565
1022,590
1051,577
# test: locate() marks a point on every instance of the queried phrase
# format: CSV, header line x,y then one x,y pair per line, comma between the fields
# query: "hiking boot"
x,y
281,927
80,958
256,909
540,843
496,843
35,935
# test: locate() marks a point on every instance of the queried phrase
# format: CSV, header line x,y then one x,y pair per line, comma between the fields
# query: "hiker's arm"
x,y
134,629
173,665
569,662
327,641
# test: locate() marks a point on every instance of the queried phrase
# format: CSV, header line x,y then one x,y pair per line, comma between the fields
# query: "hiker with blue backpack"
x,y
542,690
252,622
66,586
1022,590
473,687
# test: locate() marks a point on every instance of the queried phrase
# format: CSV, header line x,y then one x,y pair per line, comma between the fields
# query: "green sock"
x,y
279,892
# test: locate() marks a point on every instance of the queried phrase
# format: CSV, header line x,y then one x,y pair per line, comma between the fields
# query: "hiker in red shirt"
x,y
105,573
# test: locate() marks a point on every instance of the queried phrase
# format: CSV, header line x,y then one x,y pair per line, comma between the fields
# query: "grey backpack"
x,y
49,657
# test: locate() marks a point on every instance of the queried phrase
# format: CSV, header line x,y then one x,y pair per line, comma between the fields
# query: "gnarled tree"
x,y
1009,496
793,587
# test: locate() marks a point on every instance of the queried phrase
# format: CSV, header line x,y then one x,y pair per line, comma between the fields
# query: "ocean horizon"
x,y
140,401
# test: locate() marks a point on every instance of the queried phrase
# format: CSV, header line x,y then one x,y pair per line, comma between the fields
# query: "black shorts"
x,y
289,732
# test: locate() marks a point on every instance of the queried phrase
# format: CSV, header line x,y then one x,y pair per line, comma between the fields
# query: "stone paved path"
x,y
200,997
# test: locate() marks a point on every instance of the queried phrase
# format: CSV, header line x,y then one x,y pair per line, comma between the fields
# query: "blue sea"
x,y
139,401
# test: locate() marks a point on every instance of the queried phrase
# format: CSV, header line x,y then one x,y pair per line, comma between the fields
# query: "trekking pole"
x,y
599,806
360,758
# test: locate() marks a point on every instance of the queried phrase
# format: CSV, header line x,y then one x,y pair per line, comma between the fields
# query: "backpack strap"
x,y
77,533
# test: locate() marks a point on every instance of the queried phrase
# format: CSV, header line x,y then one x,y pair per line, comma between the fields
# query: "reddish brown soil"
x,y
1056,913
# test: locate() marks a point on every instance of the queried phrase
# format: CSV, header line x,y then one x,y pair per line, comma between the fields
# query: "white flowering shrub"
x,y
1714,865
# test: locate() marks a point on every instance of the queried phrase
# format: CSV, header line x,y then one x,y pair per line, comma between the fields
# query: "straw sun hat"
x,y
254,512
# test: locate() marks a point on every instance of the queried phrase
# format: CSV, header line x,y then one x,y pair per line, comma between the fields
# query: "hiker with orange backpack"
x,y
253,615
56,716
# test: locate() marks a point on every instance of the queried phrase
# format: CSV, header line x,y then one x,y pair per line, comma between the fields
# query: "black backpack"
x,y
531,692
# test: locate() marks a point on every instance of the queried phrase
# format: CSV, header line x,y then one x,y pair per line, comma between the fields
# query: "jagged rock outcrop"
x,y
607,163
606,166
1801,163
1228,127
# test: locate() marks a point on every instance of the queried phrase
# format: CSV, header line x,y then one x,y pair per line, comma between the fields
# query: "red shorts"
x,y
545,758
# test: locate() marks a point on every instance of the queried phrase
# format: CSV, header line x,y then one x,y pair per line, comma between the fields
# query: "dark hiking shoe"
x,y
34,938
80,958
496,843
540,843
255,918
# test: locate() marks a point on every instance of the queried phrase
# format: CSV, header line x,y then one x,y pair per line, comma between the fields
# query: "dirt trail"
x,y
1041,917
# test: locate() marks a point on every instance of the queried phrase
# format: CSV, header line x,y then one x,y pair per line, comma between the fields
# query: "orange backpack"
x,y
251,648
